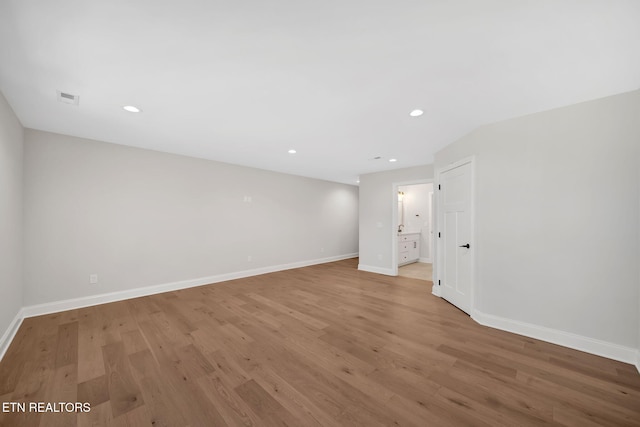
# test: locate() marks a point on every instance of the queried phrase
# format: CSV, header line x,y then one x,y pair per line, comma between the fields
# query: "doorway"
x,y
413,231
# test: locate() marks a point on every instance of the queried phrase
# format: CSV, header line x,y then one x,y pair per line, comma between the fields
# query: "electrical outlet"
x,y
322,250
379,257
249,258
93,279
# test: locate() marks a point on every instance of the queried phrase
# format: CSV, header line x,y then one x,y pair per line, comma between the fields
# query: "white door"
x,y
456,247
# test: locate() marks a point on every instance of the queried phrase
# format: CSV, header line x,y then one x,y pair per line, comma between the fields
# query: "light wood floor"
x,y
417,270
323,345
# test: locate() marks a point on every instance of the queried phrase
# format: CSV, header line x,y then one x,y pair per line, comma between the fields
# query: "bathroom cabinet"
x,y
408,248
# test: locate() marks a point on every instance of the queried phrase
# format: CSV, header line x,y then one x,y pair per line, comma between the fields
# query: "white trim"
x,y
10,333
424,260
70,304
435,289
638,360
555,336
378,270
394,222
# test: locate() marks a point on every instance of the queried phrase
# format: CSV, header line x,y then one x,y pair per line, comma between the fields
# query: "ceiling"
x,y
245,81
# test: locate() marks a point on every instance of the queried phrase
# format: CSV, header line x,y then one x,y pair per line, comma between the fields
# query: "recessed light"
x,y
357,181
292,151
131,109
416,113
393,160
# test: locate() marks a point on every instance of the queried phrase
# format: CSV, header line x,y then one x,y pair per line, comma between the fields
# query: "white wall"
x,y
376,215
139,218
557,205
417,212
11,153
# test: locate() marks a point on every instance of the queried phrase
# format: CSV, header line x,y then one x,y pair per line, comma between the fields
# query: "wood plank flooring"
x,y
325,345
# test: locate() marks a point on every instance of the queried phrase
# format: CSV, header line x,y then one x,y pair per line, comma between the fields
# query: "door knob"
x,y
465,246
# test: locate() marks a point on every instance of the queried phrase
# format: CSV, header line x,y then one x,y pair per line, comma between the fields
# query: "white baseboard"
x,y
71,304
10,333
638,360
435,289
566,339
425,260
378,270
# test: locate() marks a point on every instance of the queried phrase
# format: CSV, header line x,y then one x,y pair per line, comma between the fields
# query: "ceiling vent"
x,y
68,98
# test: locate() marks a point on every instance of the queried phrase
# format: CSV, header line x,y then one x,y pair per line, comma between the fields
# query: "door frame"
x,y
471,160
394,221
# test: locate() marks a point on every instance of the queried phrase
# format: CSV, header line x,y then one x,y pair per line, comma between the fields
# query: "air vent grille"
x,y
68,98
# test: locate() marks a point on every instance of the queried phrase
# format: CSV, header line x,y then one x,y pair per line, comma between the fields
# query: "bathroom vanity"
x,y
408,248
